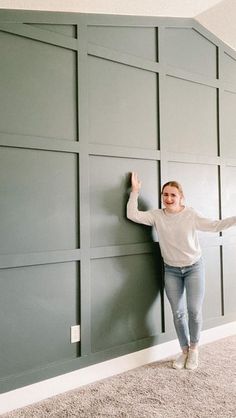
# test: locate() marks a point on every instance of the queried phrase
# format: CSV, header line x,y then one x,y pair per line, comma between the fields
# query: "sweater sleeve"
x,y
210,225
135,215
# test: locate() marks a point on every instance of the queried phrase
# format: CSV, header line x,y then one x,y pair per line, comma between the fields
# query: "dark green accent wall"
x,y
85,100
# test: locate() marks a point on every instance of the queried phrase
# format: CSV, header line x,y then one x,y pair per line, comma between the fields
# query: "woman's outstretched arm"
x,y
210,225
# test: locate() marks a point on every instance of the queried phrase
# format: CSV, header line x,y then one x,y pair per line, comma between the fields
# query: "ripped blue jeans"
x,y
185,288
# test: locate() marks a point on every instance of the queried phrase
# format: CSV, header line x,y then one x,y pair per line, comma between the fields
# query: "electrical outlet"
x,y
75,334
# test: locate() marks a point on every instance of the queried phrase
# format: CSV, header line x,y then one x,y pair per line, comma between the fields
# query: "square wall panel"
x,y
38,194
187,49
38,305
66,30
139,41
38,84
228,143
123,108
229,268
125,295
109,192
228,69
191,127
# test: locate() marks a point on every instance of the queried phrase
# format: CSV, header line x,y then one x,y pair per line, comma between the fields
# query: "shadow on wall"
x,y
127,300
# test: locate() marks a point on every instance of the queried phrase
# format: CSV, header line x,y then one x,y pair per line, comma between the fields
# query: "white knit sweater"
x,y
177,232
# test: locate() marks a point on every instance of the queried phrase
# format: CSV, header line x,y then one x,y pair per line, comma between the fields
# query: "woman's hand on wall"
x,y
135,183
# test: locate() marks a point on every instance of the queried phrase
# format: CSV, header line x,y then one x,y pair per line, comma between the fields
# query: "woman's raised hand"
x,y
135,182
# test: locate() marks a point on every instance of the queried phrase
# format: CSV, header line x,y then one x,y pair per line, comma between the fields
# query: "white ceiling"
x,y
184,8
221,20
218,16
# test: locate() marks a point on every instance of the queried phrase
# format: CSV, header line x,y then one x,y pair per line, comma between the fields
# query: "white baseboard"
x,y
39,391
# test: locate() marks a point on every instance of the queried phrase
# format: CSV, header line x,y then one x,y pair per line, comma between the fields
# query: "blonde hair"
x,y
175,184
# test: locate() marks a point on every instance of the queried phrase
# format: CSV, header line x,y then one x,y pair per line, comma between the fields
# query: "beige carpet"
x,y
155,390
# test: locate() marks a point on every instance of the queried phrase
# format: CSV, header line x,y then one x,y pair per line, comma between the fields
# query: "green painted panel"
x,y
229,268
187,49
126,304
228,143
109,179
138,41
38,83
38,193
229,197
228,68
122,105
38,305
192,127
212,302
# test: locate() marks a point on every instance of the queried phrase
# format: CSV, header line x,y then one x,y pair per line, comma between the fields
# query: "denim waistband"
x,y
187,266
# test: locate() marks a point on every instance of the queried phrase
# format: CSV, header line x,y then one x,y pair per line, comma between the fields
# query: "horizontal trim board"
x,y
228,240
31,259
121,250
40,143
51,257
122,58
136,20
123,152
37,392
230,88
37,16
190,158
230,162
40,35
149,247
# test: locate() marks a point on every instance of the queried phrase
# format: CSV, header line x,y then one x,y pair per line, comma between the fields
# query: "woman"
x,y
177,227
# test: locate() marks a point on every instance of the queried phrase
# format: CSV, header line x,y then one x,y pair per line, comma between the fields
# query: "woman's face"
x,y
171,198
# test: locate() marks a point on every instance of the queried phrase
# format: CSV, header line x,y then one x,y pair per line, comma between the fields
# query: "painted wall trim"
x,y
37,392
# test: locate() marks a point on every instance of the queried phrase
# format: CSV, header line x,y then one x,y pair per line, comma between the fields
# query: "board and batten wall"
x,y
85,100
